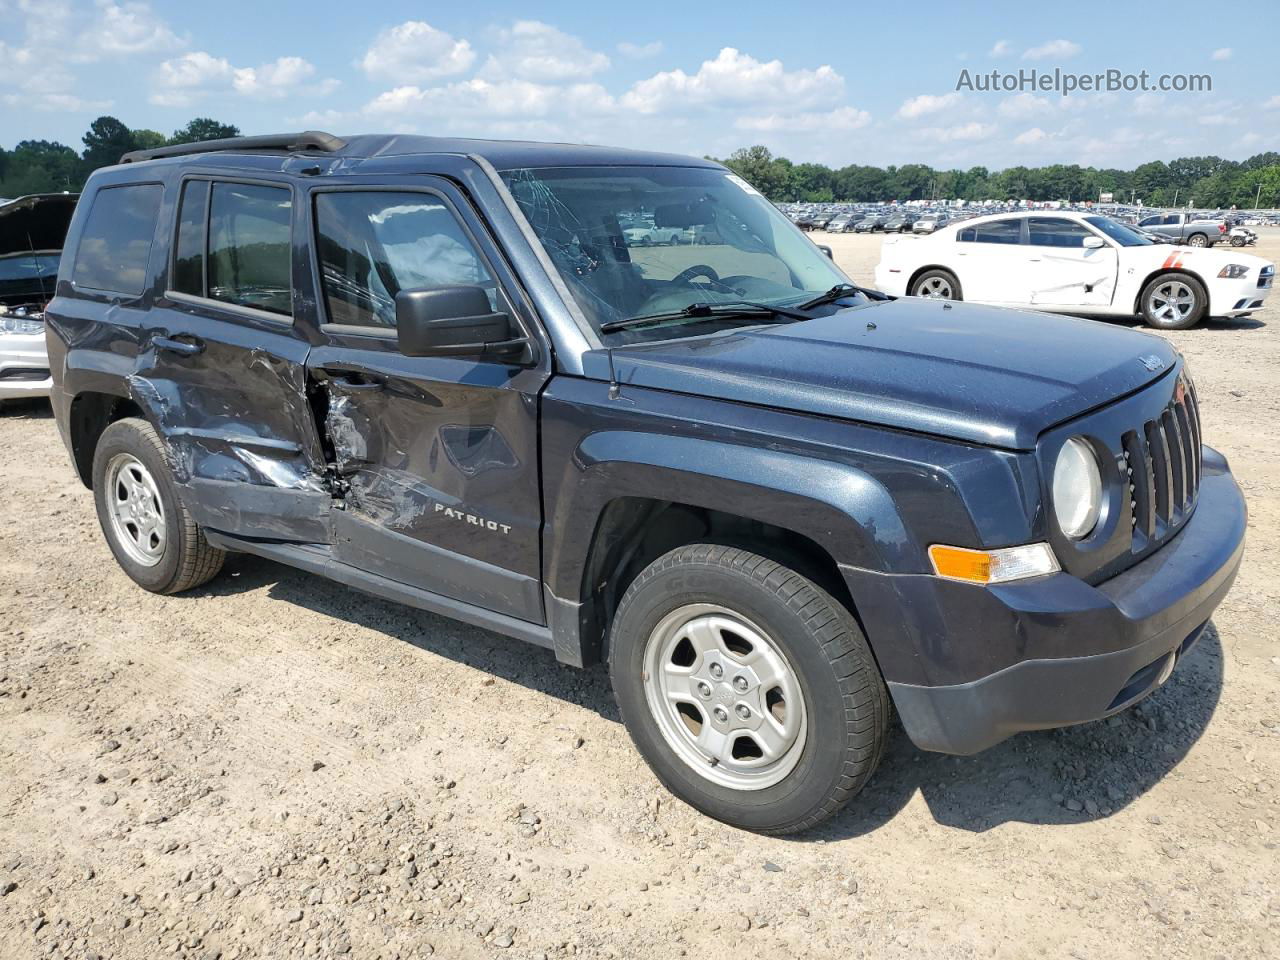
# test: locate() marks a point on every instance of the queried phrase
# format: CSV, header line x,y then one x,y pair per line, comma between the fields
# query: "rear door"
x,y
438,456
1062,270
991,263
222,367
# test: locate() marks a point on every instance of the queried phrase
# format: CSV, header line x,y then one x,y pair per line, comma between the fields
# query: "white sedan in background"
x,y
1074,263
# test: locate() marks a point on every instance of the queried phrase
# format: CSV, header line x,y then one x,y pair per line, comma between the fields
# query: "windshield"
x,y
715,239
1125,236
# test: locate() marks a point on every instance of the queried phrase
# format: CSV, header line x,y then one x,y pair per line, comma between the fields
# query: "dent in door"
x,y
241,441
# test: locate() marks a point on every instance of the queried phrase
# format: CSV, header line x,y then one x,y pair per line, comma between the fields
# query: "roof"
x,y
502,154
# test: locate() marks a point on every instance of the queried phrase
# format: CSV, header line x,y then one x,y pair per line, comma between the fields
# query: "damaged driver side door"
x,y
435,457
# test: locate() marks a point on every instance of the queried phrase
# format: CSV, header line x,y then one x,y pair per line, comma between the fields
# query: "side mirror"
x,y
456,321
826,251
1093,243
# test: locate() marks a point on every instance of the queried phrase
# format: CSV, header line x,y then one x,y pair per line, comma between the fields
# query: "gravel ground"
x,y
274,766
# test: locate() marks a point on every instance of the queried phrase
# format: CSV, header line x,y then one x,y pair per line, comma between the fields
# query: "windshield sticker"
x,y
742,184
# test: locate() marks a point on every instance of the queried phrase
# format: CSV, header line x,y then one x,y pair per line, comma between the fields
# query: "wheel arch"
x,y
637,498
90,413
916,274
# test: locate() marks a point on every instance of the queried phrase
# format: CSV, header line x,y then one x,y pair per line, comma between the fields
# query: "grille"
x,y
1162,460
25,373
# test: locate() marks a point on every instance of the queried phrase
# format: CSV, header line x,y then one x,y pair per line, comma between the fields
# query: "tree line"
x,y
43,166
1207,182
46,166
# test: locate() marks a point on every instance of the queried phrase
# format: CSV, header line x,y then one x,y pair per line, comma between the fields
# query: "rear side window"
x,y
250,252
997,231
115,244
372,245
188,257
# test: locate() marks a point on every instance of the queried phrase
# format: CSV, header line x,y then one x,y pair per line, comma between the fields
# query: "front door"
x,y
1063,270
437,457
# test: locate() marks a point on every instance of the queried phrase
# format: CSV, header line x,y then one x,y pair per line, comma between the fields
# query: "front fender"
x,y
842,509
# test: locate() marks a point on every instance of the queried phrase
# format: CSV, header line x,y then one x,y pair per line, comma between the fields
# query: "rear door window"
x,y
188,258
250,246
115,244
997,231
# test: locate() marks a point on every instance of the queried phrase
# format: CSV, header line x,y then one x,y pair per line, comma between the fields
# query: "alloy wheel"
x,y
726,700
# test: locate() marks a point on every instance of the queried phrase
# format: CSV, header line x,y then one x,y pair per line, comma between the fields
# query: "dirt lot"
x,y
277,767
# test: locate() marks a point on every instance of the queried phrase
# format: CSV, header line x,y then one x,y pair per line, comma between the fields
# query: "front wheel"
x,y
749,690
937,285
152,534
1237,241
1174,301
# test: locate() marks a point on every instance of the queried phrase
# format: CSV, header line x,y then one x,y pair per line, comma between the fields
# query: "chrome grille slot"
x,y
1163,464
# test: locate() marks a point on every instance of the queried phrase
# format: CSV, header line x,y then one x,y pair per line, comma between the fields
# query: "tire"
x,y
944,282
1237,241
1170,289
1198,240
131,468
810,672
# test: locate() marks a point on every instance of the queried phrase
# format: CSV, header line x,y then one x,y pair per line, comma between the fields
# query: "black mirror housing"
x,y
455,321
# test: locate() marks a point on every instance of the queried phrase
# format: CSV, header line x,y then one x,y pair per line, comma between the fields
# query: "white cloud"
x,y
842,118
55,102
1022,105
1222,53
128,28
964,131
415,51
186,79
1034,135
927,103
1273,103
1217,120
481,99
640,51
1054,49
532,50
735,77
999,49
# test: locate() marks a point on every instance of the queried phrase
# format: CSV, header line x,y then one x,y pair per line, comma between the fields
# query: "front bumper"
x,y
1234,298
1128,632
24,366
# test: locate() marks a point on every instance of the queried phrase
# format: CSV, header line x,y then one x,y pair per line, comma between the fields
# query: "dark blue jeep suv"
x,y
772,501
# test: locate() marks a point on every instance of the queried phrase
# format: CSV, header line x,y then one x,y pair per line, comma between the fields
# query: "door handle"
x,y
368,384
188,348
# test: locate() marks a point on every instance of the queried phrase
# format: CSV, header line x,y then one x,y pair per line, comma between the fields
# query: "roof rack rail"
x,y
308,140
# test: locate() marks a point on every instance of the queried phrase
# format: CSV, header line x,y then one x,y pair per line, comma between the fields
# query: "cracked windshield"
x,y
649,253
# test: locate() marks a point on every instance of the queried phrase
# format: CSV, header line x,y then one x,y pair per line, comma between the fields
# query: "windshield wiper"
x,y
839,292
698,311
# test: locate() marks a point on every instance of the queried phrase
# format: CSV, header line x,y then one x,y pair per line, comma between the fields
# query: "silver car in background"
x,y
32,231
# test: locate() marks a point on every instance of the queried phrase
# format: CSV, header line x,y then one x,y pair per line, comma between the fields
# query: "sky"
x,y
835,83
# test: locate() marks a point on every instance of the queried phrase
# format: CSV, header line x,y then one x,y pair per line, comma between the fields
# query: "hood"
x,y
32,231
968,372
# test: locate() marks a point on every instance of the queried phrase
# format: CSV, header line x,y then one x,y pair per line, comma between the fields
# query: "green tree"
x,y
148,139
40,166
203,128
106,141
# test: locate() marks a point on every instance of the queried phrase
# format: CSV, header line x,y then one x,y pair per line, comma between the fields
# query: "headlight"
x,y
14,324
1233,271
1077,489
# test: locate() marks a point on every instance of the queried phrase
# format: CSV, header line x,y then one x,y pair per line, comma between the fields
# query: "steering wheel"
x,y
697,270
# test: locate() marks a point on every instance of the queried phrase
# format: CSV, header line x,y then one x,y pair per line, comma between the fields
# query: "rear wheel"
x,y
1198,240
153,536
937,285
748,689
1173,301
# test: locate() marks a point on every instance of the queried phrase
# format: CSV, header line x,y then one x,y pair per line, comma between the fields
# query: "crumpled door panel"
x,y
240,434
